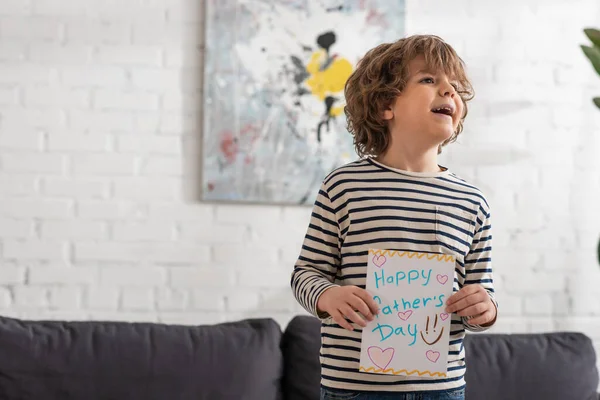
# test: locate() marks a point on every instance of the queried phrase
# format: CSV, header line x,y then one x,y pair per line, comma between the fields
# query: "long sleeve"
x,y
478,262
317,264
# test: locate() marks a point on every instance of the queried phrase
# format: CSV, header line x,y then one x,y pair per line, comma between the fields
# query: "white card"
x,y
411,334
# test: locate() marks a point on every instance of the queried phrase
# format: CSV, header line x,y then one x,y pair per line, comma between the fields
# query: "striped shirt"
x,y
366,205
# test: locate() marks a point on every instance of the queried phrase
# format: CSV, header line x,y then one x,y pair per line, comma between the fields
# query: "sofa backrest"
x,y
118,360
551,366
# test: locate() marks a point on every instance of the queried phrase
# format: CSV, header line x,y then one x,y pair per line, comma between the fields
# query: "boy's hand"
x,y
472,301
345,301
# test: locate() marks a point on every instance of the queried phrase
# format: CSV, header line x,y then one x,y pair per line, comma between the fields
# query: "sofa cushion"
x,y
550,366
300,346
117,360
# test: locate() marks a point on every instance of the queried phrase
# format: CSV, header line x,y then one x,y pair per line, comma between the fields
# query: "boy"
x,y
405,101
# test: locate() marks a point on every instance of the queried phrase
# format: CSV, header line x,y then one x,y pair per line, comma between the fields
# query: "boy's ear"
x,y
387,113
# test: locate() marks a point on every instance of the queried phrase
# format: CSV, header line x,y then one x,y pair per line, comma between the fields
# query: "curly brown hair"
x,y
381,76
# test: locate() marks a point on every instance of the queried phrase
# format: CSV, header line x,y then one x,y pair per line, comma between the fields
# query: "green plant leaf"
x,y
597,101
593,35
593,53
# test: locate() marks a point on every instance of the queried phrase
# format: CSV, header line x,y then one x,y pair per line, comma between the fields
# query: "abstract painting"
x,y
273,108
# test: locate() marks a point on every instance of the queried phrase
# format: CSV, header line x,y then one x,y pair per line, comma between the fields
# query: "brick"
x,y
207,277
200,213
77,142
146,188
277,300
93,76
35,297
30,28
246,255
56,97
147,231
161,166
15,229
78,188
5,299
32,74
538,305
146,144
166,34
61,8
133,276
257,215
32,118
60,54
28,162
24,140
34,250
208,300
102,298
11,274
137,55
15,7
103,164
22,185
12,51
97,32
137,299
65,298
172,299
535,282
104,210
157,79
242,300
61,275
121,100
25,208
9,96
73,229
213,234
125,316
267,278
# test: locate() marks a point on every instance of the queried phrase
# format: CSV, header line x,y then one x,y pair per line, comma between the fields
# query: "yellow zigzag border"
x,y
413,372
411,254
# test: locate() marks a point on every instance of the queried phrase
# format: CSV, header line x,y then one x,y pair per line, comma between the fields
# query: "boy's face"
x,y
428,110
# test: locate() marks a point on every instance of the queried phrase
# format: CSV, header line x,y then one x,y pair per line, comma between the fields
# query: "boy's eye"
x,y
455,86
427,80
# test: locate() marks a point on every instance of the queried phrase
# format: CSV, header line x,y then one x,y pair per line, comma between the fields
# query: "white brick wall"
x,y
98,111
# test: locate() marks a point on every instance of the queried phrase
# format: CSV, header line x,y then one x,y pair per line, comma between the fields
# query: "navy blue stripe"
x,y
407,199
317,251
391,189
323,230
322,241
478,260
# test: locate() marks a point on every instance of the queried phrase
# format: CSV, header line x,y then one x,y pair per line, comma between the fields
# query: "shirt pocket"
x,y
454,228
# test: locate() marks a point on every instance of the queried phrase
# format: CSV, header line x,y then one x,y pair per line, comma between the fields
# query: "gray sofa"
x,y
255,360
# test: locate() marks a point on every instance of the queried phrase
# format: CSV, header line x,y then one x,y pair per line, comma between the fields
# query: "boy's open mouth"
x,y
445,109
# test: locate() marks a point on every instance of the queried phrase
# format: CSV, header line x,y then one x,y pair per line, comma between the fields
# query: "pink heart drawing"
x,y
442,279
432,356
379,260
379,357
444,316
405,315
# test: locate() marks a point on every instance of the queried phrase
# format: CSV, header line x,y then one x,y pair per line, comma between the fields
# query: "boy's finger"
x,y
353,316
462,303
464,292
361,306
341,321
481,319
368,299
474,310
